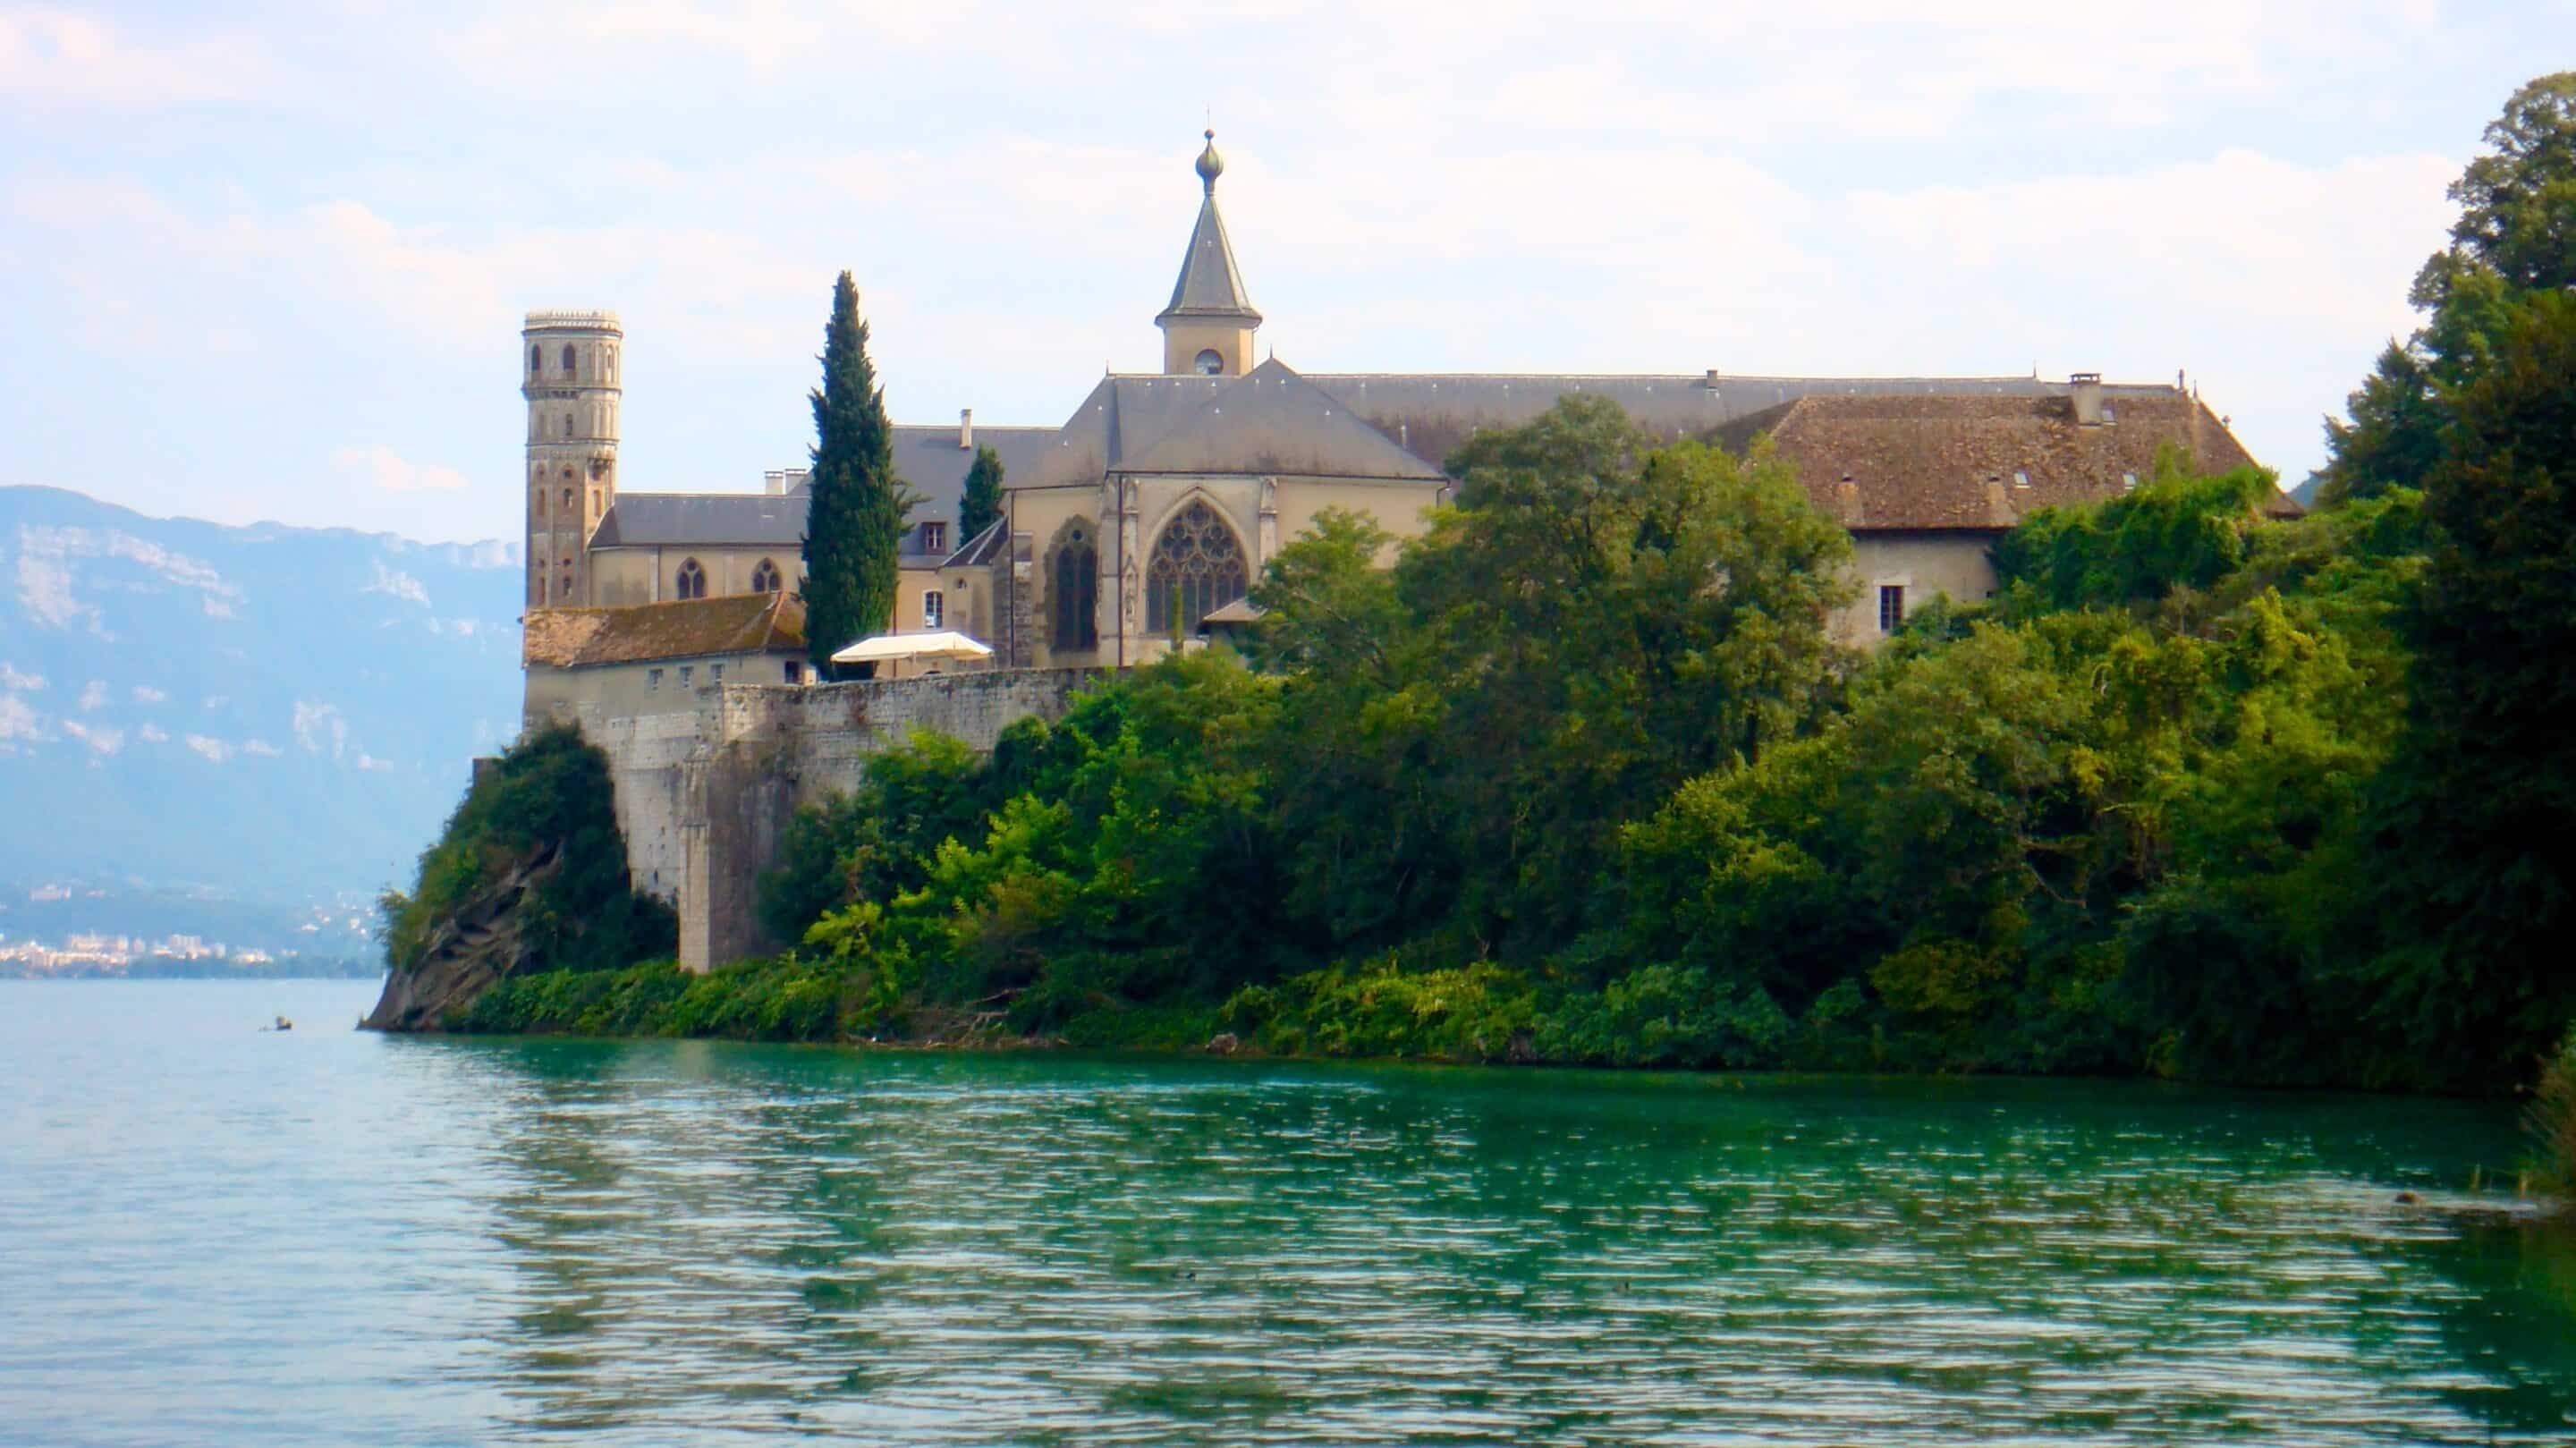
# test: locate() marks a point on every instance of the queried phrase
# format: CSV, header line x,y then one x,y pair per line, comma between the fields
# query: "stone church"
x,y
1158,501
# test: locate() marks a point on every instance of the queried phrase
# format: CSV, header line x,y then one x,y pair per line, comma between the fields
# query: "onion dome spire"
x,y
1211,165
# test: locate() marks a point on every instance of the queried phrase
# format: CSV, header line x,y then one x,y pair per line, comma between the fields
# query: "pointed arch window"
x,y
765,577
1197,567
1073,588
691,581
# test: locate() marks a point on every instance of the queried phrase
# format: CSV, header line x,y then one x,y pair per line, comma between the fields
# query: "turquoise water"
x,y
211,1235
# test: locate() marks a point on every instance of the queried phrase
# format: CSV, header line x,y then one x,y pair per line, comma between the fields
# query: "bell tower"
x,y
571,381
1209,325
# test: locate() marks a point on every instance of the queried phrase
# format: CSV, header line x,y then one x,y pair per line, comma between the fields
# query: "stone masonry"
x,y
705,790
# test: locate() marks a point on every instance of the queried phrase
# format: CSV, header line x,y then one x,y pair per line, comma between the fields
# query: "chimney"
x,y
774,482
1710,381
2086,389
965,427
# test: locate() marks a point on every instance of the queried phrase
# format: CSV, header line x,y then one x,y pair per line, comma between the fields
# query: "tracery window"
x,y
692,580
765,577
1197,568
1073,587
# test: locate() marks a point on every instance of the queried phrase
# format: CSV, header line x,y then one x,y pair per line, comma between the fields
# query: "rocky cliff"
x,y
529,875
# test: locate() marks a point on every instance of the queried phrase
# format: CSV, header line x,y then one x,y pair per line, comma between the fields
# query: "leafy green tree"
x,y
854,522
1606,618
983,501
2516,234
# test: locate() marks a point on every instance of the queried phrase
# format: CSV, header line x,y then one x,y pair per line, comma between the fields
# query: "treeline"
x,y
1582,776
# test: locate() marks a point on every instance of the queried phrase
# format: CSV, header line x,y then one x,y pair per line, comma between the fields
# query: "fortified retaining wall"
x,y
705,790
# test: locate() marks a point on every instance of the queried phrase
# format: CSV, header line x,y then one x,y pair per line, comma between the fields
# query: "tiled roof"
x,y
1429,414
573,638
1908,462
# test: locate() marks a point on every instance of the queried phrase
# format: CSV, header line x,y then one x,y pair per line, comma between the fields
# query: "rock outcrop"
x,y
479,945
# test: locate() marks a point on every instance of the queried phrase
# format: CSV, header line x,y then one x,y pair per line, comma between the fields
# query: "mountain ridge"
x,y
281,711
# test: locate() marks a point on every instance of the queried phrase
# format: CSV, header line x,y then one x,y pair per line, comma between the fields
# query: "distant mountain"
x,y
282,712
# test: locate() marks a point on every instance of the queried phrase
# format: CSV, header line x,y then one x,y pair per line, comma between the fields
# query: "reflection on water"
x,y
657,1241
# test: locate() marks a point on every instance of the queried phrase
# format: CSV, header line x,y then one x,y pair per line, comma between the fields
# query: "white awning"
x,y
946,643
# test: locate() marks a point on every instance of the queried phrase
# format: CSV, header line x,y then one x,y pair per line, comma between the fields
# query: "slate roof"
x,y
1271,421
745,623
1898,462
1209,285
926,457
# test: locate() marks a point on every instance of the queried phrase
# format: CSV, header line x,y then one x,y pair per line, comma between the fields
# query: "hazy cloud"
x,y
213,749
63,56
379,467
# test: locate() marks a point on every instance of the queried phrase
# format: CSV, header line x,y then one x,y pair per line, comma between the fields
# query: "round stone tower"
x,y
570,378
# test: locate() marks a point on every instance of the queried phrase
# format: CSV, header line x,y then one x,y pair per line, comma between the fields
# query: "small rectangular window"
x,y
652,678
2128,482
715,673
2021,478
1891,607
684,676
932,607
934,537
795,672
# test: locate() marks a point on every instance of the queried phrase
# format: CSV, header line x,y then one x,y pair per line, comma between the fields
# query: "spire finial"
x,y
1211,165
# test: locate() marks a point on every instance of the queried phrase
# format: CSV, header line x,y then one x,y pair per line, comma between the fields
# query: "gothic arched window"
x,y
765,577
692,580
1196,568
567,359
567,500
1073,587
536,360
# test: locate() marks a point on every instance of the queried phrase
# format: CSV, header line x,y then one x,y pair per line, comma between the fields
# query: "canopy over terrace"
x,y
928,646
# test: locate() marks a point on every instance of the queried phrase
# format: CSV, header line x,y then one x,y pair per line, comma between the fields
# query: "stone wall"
x,y
705,790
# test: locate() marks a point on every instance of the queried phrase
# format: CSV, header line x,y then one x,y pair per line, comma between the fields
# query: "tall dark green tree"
x,y
2516,235
2478,888
983,501
854,523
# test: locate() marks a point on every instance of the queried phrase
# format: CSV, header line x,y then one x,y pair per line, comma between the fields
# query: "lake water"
x,y
211,1235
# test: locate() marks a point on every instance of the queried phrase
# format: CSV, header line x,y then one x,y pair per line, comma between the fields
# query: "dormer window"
x,y
934,537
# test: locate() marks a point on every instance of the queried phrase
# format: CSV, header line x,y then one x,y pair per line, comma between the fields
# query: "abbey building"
x,y
1155,504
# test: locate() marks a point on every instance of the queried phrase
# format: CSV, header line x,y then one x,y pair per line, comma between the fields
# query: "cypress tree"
x,y
854,521
983,501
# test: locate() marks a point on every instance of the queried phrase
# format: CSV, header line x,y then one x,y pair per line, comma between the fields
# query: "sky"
x,y
267,261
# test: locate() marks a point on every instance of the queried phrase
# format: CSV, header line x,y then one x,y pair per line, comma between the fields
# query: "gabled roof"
x,y
748,623
1273,421
1880,463
1209,285
1270,421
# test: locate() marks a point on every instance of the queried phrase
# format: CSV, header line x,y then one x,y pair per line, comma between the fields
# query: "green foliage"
x,y
877,841
2551,1122
547,807
982,504
2515,237
2471,866
2174,532
854,523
